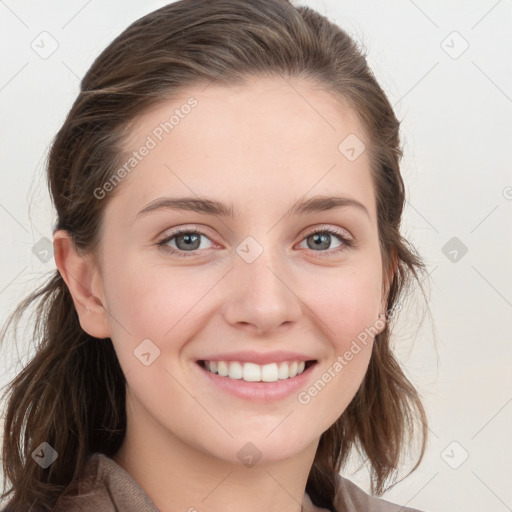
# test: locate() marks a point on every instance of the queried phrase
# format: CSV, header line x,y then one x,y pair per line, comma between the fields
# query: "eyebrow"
x,y
212,207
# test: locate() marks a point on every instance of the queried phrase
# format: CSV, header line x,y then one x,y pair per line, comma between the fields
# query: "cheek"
x,y
347,302
146,296
348,308
351,313
148,301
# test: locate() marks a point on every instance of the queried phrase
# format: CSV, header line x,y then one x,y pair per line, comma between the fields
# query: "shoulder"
x,y
351,498
104,487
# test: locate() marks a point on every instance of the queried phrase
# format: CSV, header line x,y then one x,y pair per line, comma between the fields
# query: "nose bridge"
x,y
261,286
259,265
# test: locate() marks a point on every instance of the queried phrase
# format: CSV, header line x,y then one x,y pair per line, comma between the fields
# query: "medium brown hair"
x,y
72,393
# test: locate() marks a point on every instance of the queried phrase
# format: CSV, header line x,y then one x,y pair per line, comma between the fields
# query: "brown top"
x,y
106,487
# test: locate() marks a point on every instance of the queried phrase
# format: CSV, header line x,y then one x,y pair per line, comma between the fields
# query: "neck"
x,y
178,477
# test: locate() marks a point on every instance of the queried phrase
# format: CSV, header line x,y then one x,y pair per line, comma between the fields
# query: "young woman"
x,y
216,335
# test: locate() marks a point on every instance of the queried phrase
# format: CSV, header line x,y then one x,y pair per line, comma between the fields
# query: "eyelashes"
x,y
318,234
163,244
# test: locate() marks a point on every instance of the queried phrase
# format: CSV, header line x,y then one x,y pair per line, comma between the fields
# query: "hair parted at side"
x,y
72,392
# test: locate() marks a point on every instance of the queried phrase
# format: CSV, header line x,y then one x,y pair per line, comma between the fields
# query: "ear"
x,y
389,274
84,281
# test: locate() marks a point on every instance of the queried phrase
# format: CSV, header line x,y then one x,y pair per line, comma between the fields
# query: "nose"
x,y
260,296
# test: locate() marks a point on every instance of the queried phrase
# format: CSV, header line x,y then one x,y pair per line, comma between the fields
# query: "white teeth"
x,y
222,368
235,370
252,372
283,372
269,372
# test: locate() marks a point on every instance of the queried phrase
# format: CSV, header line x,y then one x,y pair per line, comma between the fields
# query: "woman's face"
x,y
253,278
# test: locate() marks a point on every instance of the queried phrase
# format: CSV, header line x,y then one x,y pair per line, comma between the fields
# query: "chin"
x,y
257,449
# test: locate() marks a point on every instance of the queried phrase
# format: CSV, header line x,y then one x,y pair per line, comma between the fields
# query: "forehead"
x,y
266,139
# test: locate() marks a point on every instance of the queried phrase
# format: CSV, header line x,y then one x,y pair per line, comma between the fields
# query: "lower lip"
x,y
259,391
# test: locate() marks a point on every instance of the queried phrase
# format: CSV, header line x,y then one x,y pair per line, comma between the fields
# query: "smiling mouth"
x,y
252,372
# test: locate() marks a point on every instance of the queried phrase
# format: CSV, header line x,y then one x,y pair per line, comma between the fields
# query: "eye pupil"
x,y
189,238
189,241
321,240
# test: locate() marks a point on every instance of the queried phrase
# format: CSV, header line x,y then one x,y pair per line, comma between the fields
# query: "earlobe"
x,y
380,324
82,277
386,286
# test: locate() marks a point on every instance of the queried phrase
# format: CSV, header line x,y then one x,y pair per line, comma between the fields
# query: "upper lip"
x,y
259,357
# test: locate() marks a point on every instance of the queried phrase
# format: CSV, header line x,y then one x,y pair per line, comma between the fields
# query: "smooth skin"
x,y
259,146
